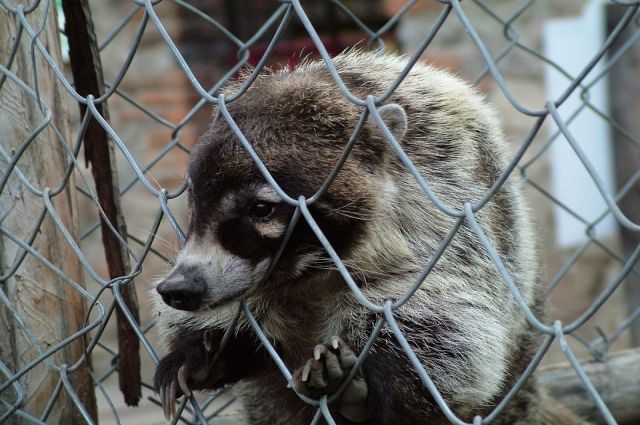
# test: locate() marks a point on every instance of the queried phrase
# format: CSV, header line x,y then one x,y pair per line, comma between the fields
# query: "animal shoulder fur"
x,y
462,323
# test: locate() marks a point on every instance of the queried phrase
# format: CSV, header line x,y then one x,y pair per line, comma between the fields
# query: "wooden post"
x,y
617,381
87,75
50,308
625,110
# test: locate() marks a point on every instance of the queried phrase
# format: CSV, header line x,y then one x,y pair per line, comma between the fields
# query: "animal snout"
x,y
182,290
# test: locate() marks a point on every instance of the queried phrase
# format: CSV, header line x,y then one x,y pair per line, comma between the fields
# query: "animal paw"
x,y
324,374
181,371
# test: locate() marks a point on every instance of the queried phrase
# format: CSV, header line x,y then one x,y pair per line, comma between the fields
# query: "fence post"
x,y
99,153
625,108
36,302
616,380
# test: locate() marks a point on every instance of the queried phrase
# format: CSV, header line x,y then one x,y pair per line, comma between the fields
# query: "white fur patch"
x,y
219,267
270,229
267,193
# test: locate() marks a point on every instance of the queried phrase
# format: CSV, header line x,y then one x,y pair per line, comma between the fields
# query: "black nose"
x,y
182,290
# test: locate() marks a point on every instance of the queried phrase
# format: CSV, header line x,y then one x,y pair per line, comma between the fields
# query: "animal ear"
x,y
395,118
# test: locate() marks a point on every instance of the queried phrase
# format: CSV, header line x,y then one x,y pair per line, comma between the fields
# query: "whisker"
x,y
165,242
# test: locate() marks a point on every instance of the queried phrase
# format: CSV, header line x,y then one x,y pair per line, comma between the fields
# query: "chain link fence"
x,y
46,233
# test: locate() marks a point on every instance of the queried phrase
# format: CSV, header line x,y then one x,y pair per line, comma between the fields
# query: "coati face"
x,y
237,220
236,224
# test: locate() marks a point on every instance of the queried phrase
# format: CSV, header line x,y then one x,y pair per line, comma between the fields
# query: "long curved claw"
x,y
166,402
173,390
163,402
305,371
335,342
319,350
182,380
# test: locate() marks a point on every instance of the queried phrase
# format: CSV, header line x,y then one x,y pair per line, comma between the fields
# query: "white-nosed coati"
x,y
462,322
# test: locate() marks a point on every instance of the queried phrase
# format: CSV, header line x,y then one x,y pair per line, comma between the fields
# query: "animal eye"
x,y
262,210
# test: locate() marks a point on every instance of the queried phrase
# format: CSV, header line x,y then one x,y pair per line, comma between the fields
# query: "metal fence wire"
x,y
105,297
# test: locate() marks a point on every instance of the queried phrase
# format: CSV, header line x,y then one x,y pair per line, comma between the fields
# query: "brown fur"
x,y
462,322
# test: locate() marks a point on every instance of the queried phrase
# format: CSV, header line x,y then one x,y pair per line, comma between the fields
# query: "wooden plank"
x,y
49,308
617,381
87,75
625,110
